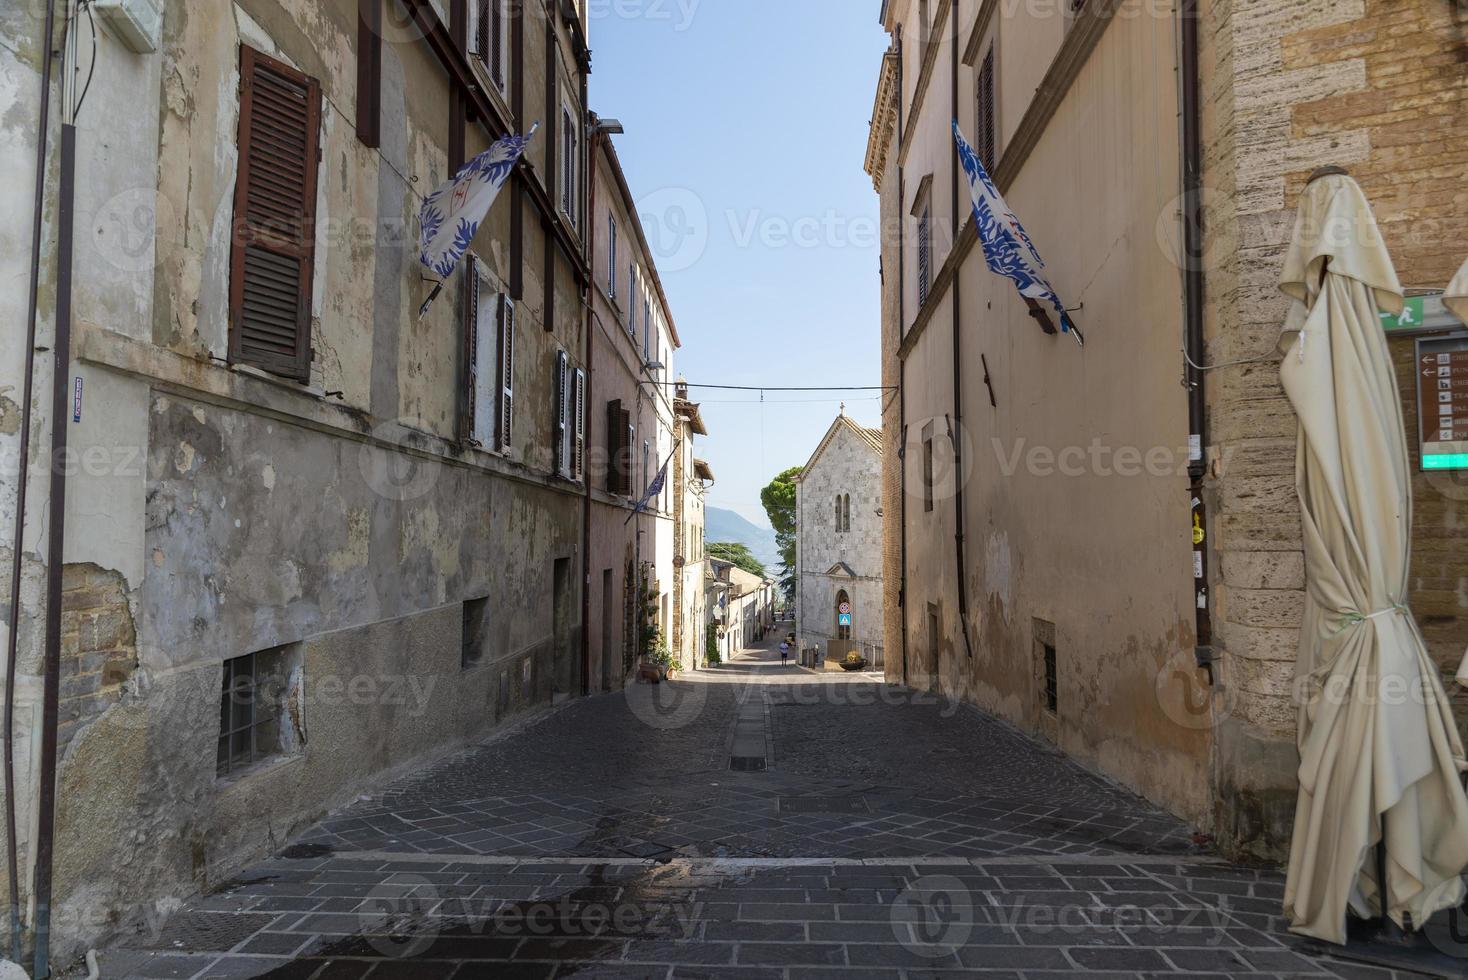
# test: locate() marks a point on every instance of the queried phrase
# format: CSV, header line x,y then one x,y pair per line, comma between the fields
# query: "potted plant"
x,y
854,662
662,658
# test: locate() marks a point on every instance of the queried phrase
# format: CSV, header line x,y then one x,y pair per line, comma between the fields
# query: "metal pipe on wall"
x,y
1193,309
956,435
43,132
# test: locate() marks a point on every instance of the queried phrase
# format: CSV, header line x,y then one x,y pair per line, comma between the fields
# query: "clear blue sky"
x,y
746,131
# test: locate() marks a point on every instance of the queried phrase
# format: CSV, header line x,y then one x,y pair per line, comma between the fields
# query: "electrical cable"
x,y
92,68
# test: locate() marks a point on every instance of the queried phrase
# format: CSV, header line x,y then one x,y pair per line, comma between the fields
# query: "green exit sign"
x,y
1420,313
1445,461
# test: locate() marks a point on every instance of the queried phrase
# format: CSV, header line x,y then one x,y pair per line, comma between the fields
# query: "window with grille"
x,y
273,250
986,131
254,725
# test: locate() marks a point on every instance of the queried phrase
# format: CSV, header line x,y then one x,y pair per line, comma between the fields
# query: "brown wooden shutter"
x,y
615,434
369,72
274,217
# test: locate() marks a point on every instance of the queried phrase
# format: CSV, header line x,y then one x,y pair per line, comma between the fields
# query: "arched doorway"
x,y
843,615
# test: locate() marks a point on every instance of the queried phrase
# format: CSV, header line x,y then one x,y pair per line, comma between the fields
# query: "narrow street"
x,y
873,833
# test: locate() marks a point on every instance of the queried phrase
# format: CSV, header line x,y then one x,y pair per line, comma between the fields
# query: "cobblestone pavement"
x,y
881,835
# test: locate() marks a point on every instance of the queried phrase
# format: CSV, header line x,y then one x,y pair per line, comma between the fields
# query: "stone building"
x,y
1072,531
838,545
312,538
629,428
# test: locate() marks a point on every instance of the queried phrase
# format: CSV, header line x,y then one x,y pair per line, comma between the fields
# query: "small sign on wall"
x,y
1442,401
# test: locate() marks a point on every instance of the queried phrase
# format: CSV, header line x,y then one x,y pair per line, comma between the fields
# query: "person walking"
x,y
784,652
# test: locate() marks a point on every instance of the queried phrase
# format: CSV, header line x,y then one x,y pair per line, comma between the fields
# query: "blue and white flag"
x,y
1007,248
653,489
452,214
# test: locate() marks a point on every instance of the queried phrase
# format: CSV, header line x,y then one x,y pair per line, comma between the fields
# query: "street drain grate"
x,y
823,804
747,763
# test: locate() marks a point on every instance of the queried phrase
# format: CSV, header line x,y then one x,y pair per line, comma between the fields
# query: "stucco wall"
x,y
1092,541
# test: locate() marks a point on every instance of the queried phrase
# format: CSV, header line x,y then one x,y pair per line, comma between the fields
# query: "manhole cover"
x,y
747,763
823,804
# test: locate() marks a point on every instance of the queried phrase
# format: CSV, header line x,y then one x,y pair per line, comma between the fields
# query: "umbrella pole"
x,y
1390,933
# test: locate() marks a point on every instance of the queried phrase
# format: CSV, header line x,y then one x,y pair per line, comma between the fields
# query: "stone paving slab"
x,y
612,840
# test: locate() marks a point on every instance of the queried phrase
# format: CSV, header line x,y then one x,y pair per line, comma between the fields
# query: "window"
x,y
611,256
1046,669
489,40
570,421
928,473
925,254
632,301
570,162
934,636
578,418
619,449
490,338
646,326
274,217
254,723
985,131
838,513
476,631
646,468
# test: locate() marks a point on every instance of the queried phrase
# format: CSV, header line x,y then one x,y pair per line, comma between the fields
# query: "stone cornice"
x,y
884,118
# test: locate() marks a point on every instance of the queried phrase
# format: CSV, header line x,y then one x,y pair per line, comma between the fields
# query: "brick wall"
x,y
98,645
1380,87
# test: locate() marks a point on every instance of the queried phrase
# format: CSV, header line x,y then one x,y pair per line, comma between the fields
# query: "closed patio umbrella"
x,y
1456,297
1378,747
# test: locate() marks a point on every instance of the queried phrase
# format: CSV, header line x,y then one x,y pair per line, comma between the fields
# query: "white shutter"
x,y
563,462
476,12
578,465
484,367
505,429
500,56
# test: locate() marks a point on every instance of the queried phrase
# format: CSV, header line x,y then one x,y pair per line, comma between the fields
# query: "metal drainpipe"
x,y
901,363
12,847
46,792
957,434
588,298
1193,296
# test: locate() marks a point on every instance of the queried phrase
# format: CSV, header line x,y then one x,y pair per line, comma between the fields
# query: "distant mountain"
x,y
726,525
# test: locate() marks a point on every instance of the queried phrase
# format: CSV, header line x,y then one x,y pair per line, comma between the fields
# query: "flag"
x,y
653,489
452,214
1007,248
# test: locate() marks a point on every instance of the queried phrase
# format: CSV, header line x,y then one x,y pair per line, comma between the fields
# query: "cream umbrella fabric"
x,y
1456,298
1376,734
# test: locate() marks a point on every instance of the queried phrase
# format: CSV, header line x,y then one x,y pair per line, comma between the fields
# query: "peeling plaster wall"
x,y
216,511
